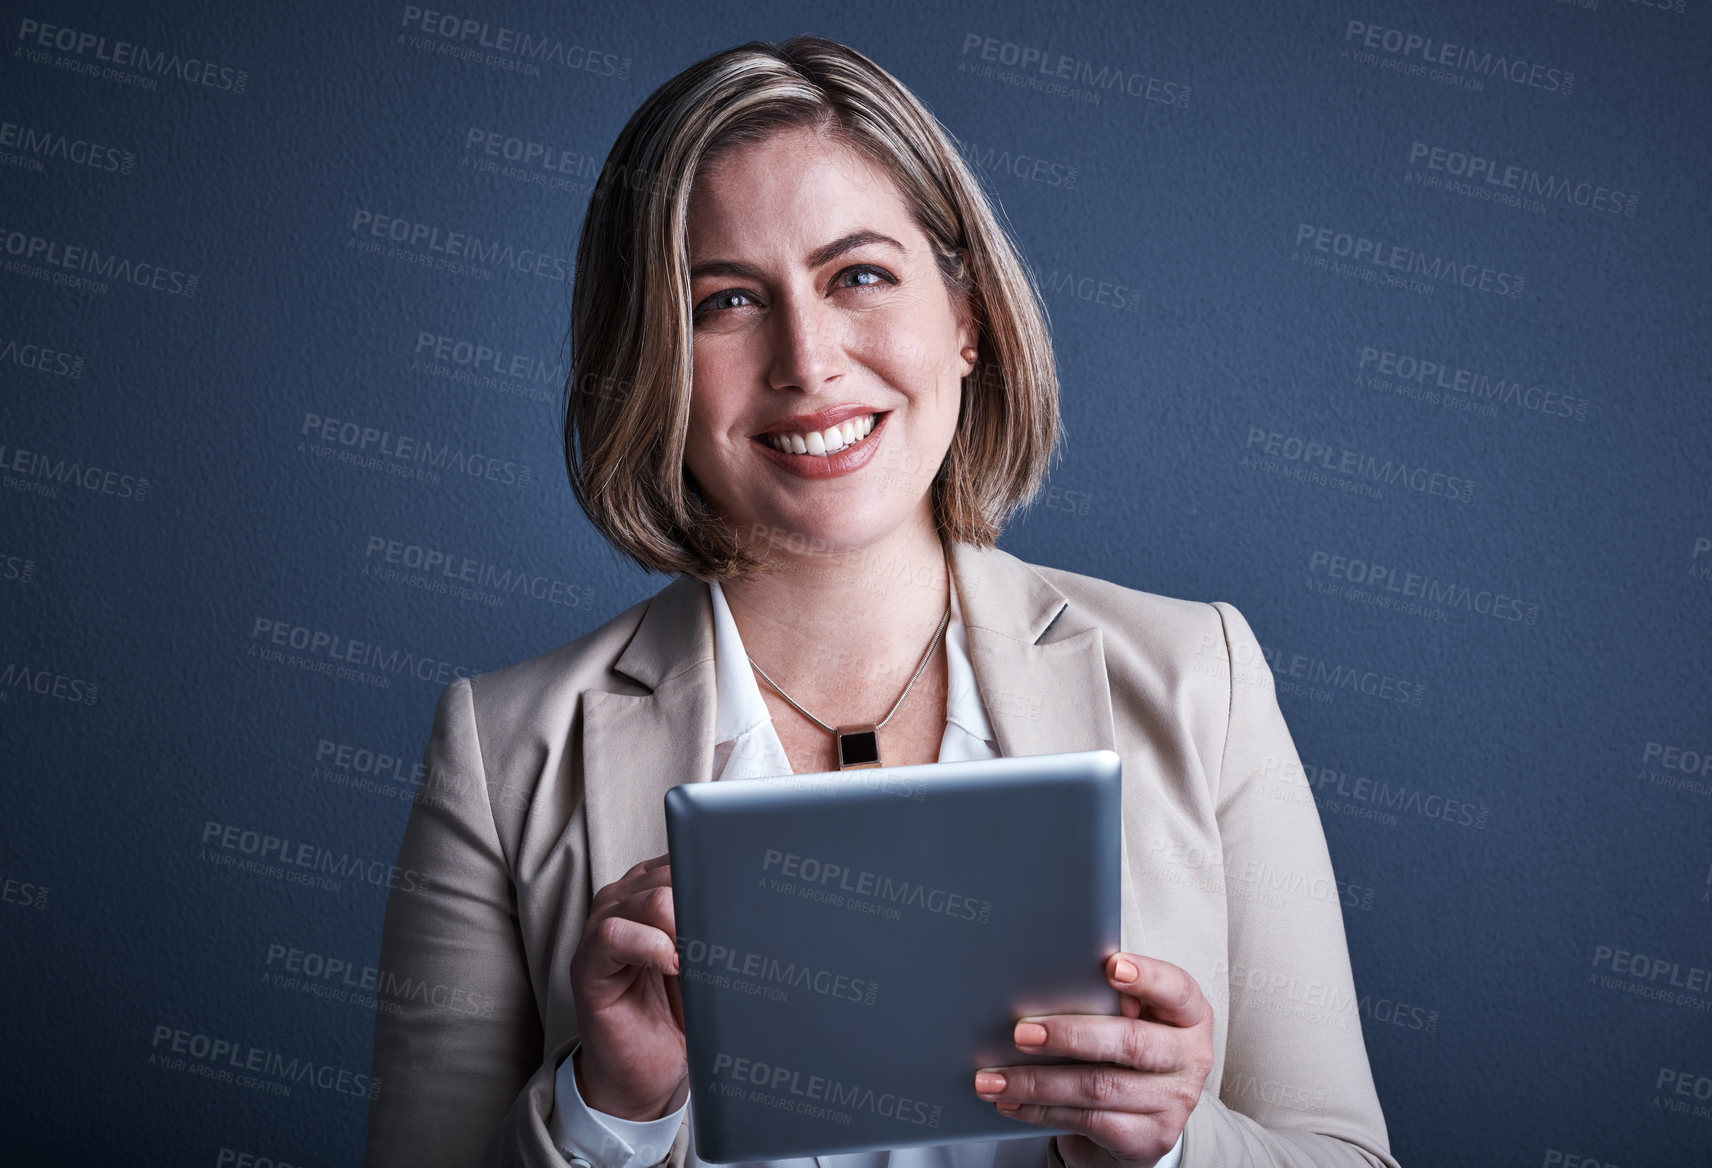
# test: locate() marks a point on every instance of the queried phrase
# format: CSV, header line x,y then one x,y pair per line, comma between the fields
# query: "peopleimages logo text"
x,y
1453,378
123,55
1356,465
243,1056
380,443
1412,46
822,1089
50,471
64,148
1075,70
367,654
1524,180
95,263
267,847
1403,258
510,42
462,245
811,871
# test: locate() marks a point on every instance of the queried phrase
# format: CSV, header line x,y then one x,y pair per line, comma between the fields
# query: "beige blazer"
x,y
545,781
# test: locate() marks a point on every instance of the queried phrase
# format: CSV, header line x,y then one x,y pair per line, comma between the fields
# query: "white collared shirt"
x,y
747,746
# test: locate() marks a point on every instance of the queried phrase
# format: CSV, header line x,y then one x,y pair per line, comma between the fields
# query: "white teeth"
x,y
823,442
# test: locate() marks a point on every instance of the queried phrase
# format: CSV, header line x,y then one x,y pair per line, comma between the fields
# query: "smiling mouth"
x,y
822,443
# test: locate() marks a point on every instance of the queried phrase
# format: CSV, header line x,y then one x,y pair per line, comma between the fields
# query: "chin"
x,y
830,536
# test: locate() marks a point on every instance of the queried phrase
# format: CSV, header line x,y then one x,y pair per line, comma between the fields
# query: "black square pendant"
x,y
858,746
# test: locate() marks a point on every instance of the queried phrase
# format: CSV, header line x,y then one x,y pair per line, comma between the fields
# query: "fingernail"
x,y
989,1082
1029,1034
1008,1108
1124,971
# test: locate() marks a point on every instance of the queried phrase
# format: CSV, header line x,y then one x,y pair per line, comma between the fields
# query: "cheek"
x,y
714,392
716,360
910,351
701,449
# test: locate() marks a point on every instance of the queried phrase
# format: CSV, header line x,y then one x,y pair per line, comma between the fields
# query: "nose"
x,y
807,344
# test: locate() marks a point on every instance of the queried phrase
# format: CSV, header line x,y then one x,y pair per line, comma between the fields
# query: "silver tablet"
x,y
852,946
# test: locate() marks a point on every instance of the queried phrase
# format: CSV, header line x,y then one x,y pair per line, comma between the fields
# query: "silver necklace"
x,y
859,742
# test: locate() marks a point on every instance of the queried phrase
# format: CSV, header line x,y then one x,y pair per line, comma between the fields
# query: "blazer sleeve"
x,y
1296,1088
458,1037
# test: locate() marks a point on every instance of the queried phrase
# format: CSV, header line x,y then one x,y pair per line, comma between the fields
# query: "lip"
x,y
830,466
803,423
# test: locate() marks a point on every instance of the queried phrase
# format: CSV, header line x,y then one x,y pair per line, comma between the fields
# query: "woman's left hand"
x,y
1131,1109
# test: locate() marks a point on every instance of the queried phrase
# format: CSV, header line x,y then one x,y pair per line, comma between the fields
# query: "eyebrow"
x,y
819,257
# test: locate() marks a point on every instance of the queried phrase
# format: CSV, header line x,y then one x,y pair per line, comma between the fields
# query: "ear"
x,y
968,332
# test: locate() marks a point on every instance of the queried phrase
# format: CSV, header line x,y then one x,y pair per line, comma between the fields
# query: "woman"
x,y
812,379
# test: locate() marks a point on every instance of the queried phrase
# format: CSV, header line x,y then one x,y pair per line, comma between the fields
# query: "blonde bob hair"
x,y
628,390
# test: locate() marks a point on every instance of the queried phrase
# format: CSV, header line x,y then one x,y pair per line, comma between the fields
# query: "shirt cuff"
x,y
606,1141
1172,1158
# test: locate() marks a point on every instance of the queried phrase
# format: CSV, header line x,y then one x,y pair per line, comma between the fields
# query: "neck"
x,y
844,630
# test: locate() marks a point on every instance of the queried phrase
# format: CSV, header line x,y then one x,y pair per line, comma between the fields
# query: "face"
x,y
817,308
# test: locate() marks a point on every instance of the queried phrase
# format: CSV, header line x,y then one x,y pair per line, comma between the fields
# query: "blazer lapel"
x,y
636,747
1039,665
1041,668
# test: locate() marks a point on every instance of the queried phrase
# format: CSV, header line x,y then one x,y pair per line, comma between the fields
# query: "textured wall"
x,y
1386,322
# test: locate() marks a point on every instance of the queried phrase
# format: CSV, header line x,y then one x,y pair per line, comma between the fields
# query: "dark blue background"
x,y
1498,931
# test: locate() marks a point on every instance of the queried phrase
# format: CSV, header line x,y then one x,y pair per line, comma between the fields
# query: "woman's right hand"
x,y
630,1014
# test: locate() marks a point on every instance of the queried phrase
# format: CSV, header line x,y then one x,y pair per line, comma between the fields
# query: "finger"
x,y
1167,991
617,945
650,863
649,872
1096,1086
647,896
645,875
1135,1043
675,998
1155,1138
647,906
1108,1129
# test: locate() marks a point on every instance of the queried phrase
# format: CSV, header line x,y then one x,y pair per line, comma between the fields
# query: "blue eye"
x,y
730,299
880,277
718,302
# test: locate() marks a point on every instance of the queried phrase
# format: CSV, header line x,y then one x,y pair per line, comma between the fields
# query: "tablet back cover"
x,y
853,946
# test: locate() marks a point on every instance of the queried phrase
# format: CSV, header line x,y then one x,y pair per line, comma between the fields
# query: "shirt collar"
x,y
740,707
